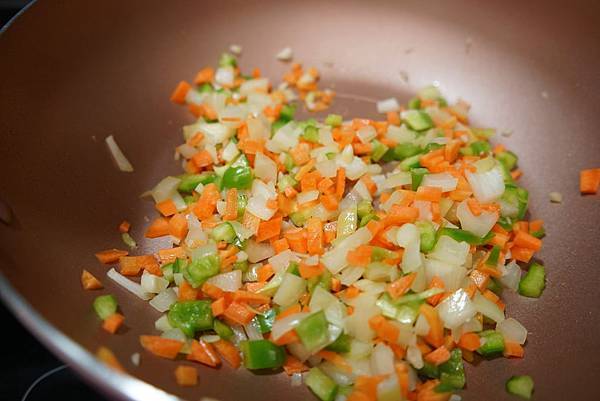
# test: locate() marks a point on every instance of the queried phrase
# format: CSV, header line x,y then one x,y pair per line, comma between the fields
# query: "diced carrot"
x,y
589,181
535,225
187,292
124,226
178,226
132,265
305,170
113,322
360,256
469,341
401,214
280,245
202,159
297,240
269,229
314,236
512,349
107,357
516,174
264,273
340,183
436,328
205,75
310,181
438,356
393,117
307,271
525,240
480,279
336,284
385,330
300,153
211,291
238,313
375,227
474,206
368,386
288,338
431,194
288,311
336,359
293,365
178,95
402,285
325,184
205,353
499,239
110,256
229,352
218,307
521,254
159,346
330,202
427,392
158,228
89,282
357,395
402,375
186,376
169,255
166,207
250,221
207,203
250,298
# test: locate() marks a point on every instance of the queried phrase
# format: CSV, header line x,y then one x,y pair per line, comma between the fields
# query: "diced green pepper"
x,y
414,103
227,60
313,332
427,232
191,316
239,177
262,354
418,120
366,218
452,372
310,134
410,163
508,159
205,88
417,175
223,232
430,370
518,197
334,120
480,147
379,150
265,321
341,345
493,343
105,305
201,269
222,330
320,384
403,151
461,235
189,182
521,386
243,266
287,113
533,282
539,233
492,260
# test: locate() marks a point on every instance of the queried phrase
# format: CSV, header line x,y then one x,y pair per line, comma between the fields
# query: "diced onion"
x,y
258,251
450,251
163,301
290,290
135,359
351,274
129,285
451,275
327,168
335,259
284,325
456,309
387,105
382,360
230,152
397,180
308,196
252,332
414,356
257,205
487,308
229,282
254,85
296,379
225,76
511,275
162,323
338,375
478,225
445,181
165,189
282,260
285,54
512,330
422,326
118,155
366,134
487,186
265,168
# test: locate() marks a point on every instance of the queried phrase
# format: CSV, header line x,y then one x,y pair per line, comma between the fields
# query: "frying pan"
x,y
76,72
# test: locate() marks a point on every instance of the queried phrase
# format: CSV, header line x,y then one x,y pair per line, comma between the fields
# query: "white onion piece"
x,y
230,152
258,251
451,275
299,351
388,389
424,208
363,192
117,154
446,181
456,309
382,360
175,334
265,168
450,251
397,180
285,138
387,105
488,186
187,151
290,290
335,259
282,260
512,330
478,225
487,308
356,169
239,334
215,133
252,332
213,338
370,287
356,324
351,274
409,238
129,285
165,189
414,356
229,282
327,168
163,301
260,85
422,326
285,54
366,134
153,284
401,134
178,278
224,76
339,376
511,275
257,205
162,323
308,196
135,359
321,299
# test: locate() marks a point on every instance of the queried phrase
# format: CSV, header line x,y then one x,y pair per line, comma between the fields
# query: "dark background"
x,y
24,359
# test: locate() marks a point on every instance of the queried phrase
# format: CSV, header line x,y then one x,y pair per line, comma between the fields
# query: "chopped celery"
x,y
205,88
518,198
242,202
485,133
265,321
414,103
222,330
430,370
418,120
417,175
321,385
300,217
191,316
105,305
404,151
508,159
323,280
452,372
363,208
285,182
419,296
533,282
492,343
288,162
461,235
287,113
293,269
366,218
335,120
341,345
227,60
432,146
378,254
310,134
521,386
410,163
492,260
480,147
201,269
167,271
243,266
277,125
312,331
223,232
427,232
128,240
190,181
494,286
379,150
539,233
262,354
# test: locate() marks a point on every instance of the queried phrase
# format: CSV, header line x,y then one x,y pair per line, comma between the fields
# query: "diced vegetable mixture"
x,y
368,257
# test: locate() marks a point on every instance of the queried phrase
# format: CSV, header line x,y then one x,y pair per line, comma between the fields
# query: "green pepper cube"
x,y
508,159
492,343
334,120
222,330
190,181
287,113
262,354
452,372
341,345
521,386
239,177
201,269
418,120
427,234
410,163
321,385
191,316
417,175
379,150
105,305
405,150
461,235
532,284
265,321
313,332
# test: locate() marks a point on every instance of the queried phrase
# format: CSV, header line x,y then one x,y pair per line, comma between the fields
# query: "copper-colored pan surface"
x,y
75,72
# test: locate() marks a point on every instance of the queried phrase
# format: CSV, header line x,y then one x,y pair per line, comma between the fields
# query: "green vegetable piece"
x,y
363,208
506,223
417,175
532,284
287,113
521,386
312,331
239,177
379,150
493,343
300,217
419,296
378,254
431,147
452,372
288,162
201,269
494,286
285,182
323,280
365,219
227,60
277,125
320,384
485,133
494,255
480,147
265,321
418,120
508,159
341,345
105,305
310,134
128,240
222,330
539,233
224,232
189,182
461,235
293,268
410,163
427,234
262,354
205,88
430,370
405,150
334,120
243,266
242,202
191,316
167,271
414,103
